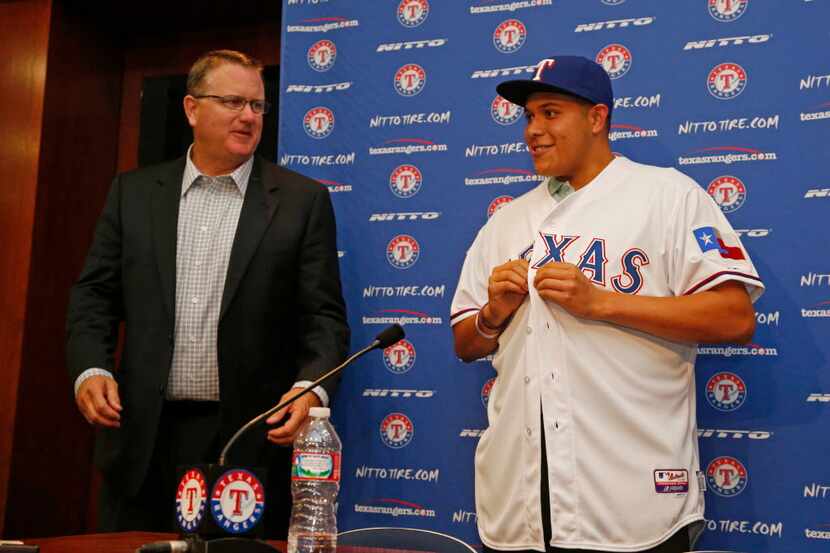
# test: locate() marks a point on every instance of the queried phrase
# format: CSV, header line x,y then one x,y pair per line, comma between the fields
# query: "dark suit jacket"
x,y
282,315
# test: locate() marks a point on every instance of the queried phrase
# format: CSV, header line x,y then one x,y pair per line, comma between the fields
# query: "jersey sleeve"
x,y
705,249
471,293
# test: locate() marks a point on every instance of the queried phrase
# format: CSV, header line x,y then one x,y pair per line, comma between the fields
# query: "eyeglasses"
x,y
238,103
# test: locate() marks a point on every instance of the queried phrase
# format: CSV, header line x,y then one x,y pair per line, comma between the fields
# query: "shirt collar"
x,y
559,190
240,175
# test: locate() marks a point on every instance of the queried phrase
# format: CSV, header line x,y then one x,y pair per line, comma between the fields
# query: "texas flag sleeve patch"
x,y
708,238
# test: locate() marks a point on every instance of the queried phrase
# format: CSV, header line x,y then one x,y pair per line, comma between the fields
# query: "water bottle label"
x,y
316,466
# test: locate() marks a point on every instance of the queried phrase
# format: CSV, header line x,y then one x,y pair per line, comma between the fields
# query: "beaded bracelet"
x,y
483,333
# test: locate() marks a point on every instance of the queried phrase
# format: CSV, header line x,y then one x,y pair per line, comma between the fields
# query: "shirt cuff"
x,y
319,391
95,371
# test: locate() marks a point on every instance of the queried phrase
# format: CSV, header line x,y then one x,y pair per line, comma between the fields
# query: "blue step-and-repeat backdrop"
x,y
392,105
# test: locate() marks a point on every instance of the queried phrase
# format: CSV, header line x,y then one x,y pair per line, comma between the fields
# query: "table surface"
x,y
125,542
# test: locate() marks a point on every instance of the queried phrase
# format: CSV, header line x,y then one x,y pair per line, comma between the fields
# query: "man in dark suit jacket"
x,y
223,268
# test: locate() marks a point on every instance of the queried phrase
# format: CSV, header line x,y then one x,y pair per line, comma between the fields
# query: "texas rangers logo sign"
x,y
726,476
402,251
399,358
318,122
191,498
615,59
504,112
485,391
410,79
412,13
396,430
497,204
726,81
728,192
321,55
509,36
238,501
405,181
727,10
725,391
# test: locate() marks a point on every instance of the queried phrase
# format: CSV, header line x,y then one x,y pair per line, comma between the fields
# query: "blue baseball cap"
x,y
574,75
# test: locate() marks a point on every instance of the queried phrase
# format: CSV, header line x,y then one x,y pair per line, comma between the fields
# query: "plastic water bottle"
x,y
315,481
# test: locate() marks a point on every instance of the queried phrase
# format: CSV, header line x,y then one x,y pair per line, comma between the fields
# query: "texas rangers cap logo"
x,y
410,79
615,59
237,502
485,391
726,81
405,181
321,55
509,36
191,498
318,122
725,391
728,192
396,430
504,112
726,476
399,358
402,251
727,10
497,204
412,13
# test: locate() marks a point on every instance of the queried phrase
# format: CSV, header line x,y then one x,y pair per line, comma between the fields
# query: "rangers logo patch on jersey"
x,y
726,476
321,55
728,192
485,391
504,112
396,430
405,181
497,204
191,499
403,251
726,81
410,79
412,13
725,391
709,238
399,358
237,502
616,59
727,10
318,122
671,481
509,36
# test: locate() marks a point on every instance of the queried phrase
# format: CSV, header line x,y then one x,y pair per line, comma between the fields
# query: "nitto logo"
x,y
726,81
616,23
818,491
726,476
412,13
321,55
509,36
402,251
405,181
395,46
404,216
472,433
399,358
753,232
728,192
318,122
386,392
726,41
464,517
817,193
410,79
815,279
726,391
504,112
733,434
309,88
396,430
616,59
727,10
820,398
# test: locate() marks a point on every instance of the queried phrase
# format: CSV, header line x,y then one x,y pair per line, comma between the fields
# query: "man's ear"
x,y
191,108
599,119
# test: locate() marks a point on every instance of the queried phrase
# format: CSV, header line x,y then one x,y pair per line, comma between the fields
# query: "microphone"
x,y
388,336
173,546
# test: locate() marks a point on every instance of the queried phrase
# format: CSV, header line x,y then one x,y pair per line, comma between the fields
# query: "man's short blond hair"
x,y
211,60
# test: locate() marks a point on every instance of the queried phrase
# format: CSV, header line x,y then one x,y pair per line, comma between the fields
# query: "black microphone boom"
x,y
384,339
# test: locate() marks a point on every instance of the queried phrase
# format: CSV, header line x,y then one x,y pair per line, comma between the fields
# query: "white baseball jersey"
x,y
618,404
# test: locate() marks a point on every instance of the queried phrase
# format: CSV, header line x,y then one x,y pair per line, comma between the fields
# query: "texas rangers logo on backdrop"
x,y
725,391
405,181
504,112
616,59
191,498
497,204
509,36
728,192
318,122
412,13
238,501
726,81
486,390
727,10
410,79
396,430
402,251
726,476
321,55
399,358
709,238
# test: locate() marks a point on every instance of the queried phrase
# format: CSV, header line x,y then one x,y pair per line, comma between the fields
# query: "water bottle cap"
x,y
320,412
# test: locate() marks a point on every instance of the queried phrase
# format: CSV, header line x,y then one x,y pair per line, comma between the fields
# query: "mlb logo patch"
x,y
709,238
671,481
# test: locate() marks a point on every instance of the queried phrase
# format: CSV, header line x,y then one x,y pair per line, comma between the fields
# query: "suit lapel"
x,y
165,217
261,201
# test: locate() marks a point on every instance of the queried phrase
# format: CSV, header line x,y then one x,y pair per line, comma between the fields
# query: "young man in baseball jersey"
x,y
592,291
